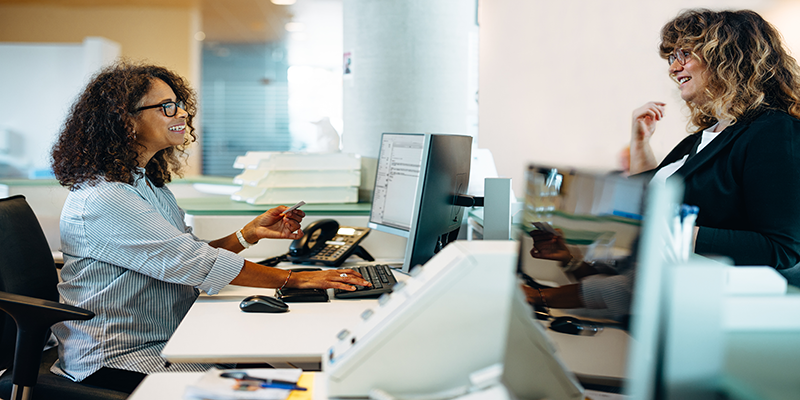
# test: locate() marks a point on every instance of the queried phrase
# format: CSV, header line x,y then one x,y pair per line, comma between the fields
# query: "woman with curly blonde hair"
x,y
742,166
128,255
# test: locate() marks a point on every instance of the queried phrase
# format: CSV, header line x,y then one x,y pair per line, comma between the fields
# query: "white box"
x,y
294,161
752,280
257,195
312,178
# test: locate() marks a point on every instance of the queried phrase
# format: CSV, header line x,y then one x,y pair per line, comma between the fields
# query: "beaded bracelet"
x,y
541,297
287,280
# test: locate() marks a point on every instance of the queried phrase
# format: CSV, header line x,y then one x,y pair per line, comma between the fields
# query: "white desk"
x,y
758,366
761,365
216,331
599,359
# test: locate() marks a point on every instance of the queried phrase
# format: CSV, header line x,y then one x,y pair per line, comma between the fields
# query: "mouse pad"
x,y
290,295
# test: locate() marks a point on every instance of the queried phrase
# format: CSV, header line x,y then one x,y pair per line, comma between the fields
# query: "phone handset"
x,y
315,236
325,242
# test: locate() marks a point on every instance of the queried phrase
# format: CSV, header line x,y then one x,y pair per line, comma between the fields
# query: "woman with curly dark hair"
x,y
742,166
128,255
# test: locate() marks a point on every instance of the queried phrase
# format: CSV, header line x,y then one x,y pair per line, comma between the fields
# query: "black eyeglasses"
x,y
170,108
681,55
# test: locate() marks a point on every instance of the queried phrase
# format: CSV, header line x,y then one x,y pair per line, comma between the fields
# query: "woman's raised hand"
x,y
645,119
644,123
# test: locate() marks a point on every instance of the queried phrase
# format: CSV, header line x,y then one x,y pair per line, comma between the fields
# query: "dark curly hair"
x,y
98,140
747,66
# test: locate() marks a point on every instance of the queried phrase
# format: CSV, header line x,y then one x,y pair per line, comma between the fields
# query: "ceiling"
x,y
233,21
243,21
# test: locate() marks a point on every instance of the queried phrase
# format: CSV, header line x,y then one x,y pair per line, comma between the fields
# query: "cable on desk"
x,y
273,261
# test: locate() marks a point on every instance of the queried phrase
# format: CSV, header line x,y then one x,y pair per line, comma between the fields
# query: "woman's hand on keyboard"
x,y
333,278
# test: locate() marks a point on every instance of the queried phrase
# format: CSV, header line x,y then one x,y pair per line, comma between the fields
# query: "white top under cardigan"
x,y
668,170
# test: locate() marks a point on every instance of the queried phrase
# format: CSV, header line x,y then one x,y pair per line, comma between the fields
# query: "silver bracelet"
x,y
243,242
573,264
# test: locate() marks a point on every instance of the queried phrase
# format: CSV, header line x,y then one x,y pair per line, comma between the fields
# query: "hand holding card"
x,y
294,207
544,226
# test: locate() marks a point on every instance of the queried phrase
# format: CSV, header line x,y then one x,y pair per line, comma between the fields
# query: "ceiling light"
x,y
295,26
283,2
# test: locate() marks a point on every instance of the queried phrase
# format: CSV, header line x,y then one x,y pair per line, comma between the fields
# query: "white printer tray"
x,y
258,195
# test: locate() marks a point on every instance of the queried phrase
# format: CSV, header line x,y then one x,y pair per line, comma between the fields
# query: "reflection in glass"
x,y
580,232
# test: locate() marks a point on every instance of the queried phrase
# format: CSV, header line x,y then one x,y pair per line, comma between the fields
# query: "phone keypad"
x,y
339,246
332,252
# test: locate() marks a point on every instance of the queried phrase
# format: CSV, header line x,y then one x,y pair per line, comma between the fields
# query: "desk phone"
x,y
327,243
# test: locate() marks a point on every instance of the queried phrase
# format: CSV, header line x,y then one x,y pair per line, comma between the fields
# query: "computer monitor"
x,y
418,179
646,359
436,218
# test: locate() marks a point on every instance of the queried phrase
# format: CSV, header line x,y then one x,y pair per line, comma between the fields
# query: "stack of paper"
x,y
212,386
285,177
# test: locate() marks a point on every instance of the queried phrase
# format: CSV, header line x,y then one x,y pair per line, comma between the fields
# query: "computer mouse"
x,y
575,326
263,304
566,325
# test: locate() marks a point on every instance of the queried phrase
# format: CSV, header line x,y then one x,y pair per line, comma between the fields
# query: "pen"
x,y
677,237
688,218
243,376
267,385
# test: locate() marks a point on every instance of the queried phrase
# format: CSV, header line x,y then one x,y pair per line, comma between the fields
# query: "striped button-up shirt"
x,y
130,258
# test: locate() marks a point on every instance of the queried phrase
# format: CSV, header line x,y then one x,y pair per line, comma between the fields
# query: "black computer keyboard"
x,y
380,276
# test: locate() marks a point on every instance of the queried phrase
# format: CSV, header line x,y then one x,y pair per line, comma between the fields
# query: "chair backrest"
x,y
26,264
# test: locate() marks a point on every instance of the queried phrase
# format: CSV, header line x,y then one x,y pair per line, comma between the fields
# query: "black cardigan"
x,y
746,183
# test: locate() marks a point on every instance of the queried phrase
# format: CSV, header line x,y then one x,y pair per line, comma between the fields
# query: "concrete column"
x,y
412,68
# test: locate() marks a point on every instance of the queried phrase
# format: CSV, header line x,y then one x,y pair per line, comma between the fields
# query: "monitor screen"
x,y
396,181
444,175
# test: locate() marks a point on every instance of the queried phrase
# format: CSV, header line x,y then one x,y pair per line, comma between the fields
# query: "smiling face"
x,y
691,79
154,130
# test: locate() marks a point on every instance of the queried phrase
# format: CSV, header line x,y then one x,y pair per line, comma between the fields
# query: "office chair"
x,y
29,296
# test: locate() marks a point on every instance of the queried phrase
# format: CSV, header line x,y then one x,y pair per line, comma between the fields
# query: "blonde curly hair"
x,y
748,67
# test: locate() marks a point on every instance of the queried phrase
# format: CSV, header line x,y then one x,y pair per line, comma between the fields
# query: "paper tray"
x,y
257,195
297,179
294,161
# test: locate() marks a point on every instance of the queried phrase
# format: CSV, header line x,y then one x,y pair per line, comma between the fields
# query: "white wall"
x,y
559,79
38,84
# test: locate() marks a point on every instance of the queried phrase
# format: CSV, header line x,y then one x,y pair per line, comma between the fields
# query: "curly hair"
x,y
98,141
748,67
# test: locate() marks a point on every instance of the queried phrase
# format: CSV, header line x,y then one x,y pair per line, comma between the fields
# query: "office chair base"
x,y
21,392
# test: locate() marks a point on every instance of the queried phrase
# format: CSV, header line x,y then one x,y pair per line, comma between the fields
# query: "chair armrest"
x,y
10,302
34,317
